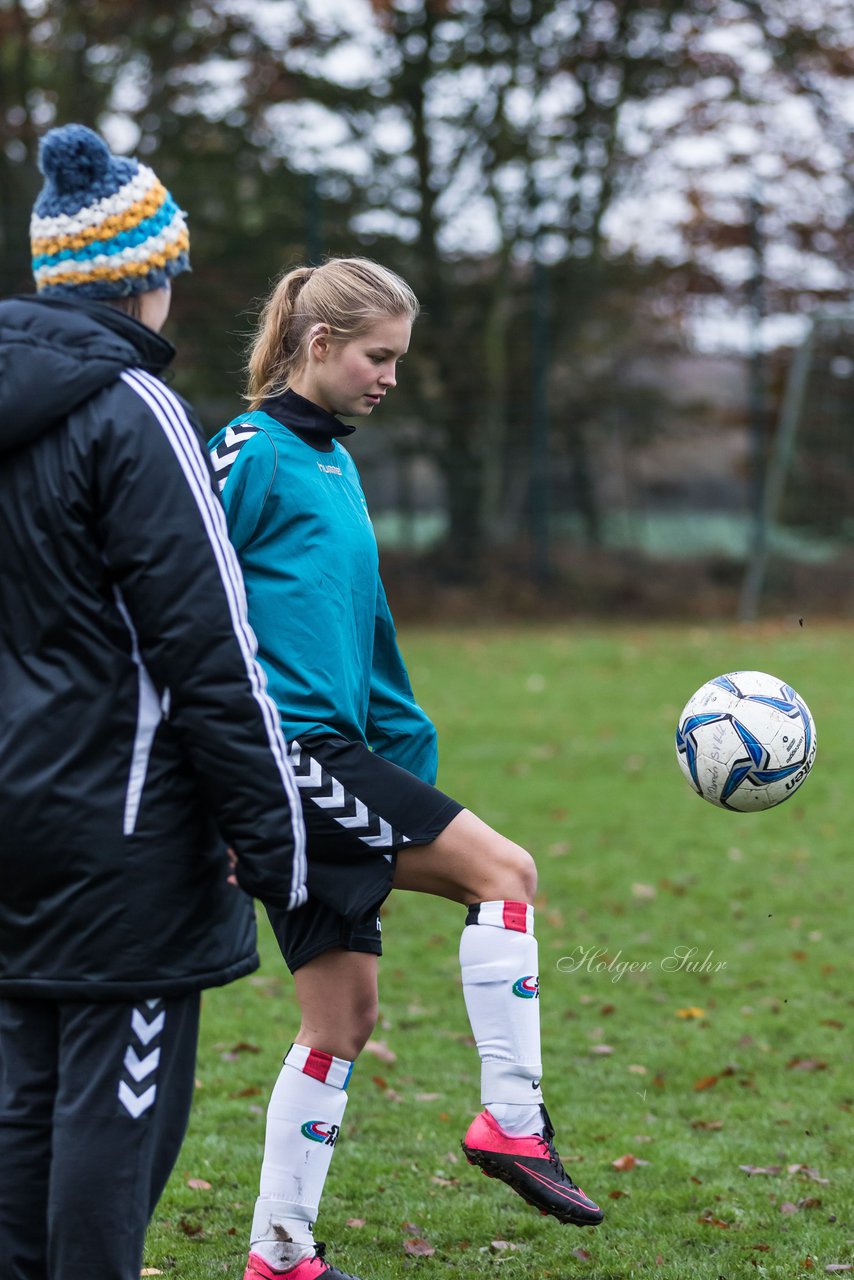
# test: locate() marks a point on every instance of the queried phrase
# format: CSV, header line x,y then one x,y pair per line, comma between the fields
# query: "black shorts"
x,y
359,810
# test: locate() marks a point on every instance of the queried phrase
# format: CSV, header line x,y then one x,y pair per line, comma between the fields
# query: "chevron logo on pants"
x,y
138,1083
330,795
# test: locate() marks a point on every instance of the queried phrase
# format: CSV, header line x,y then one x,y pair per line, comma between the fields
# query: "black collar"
x,y
313,425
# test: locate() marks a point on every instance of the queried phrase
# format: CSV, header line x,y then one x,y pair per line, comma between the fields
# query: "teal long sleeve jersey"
x,y
299,522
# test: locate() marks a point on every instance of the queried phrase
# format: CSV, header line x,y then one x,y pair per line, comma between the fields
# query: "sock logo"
x,y
320,1131
527,988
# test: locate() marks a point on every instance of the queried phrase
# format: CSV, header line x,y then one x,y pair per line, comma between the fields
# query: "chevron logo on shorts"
x,y
329,794
225,454
138,1083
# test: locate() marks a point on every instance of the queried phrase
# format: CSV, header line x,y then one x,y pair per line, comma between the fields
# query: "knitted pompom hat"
x,y
103,226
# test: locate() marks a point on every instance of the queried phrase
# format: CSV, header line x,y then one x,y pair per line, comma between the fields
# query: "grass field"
x,y
696,975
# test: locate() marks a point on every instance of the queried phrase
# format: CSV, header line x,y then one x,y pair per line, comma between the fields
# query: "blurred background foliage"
x,y
621,219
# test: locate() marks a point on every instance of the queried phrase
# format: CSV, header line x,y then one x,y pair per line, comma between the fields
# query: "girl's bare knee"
x,y
346,1037
527,872
511,873
364,1021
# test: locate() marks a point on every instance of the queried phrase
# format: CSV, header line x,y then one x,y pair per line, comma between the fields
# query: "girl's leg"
x,y
472,864
468,862
337,994
496,879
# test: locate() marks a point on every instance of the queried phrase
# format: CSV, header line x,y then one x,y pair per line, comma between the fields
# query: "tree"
x,y
189,87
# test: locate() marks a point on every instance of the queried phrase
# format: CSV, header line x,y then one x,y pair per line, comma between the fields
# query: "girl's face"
x,y
350,378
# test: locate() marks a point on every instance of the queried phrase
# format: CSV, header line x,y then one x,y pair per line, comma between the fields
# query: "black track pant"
x,y
94,1104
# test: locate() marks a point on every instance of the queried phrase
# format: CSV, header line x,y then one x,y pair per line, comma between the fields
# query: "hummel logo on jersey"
x,y
225,454
320,1131
527,988
330,470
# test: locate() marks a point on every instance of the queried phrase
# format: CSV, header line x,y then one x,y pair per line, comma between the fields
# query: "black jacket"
x,y
136,738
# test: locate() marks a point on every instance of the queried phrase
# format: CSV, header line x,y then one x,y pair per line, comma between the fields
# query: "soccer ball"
x,y
746,741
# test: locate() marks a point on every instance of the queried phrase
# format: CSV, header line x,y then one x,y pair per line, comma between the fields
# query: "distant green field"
x,y
696,975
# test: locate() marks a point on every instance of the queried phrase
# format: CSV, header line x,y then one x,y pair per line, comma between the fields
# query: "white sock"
x,y
303,1119
498,958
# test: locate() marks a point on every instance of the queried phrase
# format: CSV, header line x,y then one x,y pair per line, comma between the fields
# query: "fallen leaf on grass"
x,y
251,1092
705,1082
356,1222
380,1050
439,1181
760,1248
191,1229
693,1011
242,1046
623,1163
707,1124
581,1254
804,1171
840,1266
751,1169
500,1245
616,1194
427,1097
806,1064
788,1207
198,1184
601,1048
708,1220
643,892
418,1248
150,1271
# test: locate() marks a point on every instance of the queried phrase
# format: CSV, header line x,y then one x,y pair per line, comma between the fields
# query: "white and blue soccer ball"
x,y
746,741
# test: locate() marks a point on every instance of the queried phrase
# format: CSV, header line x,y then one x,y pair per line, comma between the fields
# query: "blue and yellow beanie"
x,y
103,226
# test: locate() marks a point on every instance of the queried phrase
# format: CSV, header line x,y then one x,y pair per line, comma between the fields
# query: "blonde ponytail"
x,y
348,295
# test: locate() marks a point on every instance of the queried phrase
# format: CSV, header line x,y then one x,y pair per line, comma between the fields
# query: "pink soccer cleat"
x,y
532,1168
309,1269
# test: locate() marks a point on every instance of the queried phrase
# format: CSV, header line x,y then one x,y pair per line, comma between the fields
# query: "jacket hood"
x,y
55,354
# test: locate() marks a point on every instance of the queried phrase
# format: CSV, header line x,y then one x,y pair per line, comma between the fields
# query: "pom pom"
x,y
74,158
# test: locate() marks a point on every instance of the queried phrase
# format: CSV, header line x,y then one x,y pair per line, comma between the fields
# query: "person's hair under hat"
x,y
103,226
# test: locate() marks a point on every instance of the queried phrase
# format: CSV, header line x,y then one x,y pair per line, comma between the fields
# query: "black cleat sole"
x,y
567,1215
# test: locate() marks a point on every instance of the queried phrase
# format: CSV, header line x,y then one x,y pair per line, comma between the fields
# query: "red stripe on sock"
x,y
317,1064
516,916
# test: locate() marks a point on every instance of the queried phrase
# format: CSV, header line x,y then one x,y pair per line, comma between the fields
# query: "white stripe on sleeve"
x,y
170,414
